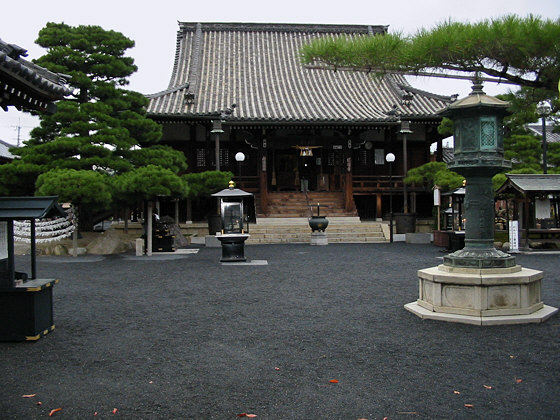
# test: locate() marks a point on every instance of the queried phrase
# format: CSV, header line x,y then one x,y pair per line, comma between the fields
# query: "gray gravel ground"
x,y
185,337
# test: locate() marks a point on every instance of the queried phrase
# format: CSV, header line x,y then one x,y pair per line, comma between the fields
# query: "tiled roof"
x,y
24,84
257,67
532,183
551,137
4,150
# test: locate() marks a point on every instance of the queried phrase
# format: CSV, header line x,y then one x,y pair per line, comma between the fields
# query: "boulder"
x,y
109,242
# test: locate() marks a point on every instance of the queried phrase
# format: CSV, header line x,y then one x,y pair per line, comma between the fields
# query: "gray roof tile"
x,y
25,84
257,67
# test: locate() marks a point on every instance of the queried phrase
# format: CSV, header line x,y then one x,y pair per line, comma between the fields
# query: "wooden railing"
x,y
247,183
381,183
370,183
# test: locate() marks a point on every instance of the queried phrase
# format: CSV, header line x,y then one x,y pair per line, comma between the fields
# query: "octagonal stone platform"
x,y
481,296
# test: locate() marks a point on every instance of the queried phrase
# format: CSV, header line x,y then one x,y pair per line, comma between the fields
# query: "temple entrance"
x,y
292,172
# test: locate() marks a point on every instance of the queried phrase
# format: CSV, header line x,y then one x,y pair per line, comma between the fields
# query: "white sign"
x,y
437,200
513,236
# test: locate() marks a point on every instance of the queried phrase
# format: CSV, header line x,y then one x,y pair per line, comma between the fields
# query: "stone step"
x,y
295,204
297,230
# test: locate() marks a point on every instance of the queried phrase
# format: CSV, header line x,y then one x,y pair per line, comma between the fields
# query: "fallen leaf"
x,y
456,392
114,411
251,415
95,414
487,386
38,403
469,405
28,395
333,381
54,411
511,356
276,368
151,382
242,415
518,381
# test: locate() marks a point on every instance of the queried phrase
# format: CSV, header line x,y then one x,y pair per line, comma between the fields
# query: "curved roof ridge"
x,y
284,27
167,91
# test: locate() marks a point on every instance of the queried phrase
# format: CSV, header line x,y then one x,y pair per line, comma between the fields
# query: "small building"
x,y
299,127
535,201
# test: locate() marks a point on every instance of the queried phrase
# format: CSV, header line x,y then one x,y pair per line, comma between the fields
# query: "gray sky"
x,y
154,29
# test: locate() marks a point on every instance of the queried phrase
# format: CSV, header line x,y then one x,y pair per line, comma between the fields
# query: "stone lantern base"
x,y
491,296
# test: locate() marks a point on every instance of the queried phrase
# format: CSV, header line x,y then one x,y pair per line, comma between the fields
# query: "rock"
x,y
109,242
179,239
59,249
53,249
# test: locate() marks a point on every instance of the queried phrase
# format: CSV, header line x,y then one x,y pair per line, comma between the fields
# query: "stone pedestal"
x,y
319,238
490,296
233,247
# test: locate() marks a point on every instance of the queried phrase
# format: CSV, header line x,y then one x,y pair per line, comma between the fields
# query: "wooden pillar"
x,y
149,232
263,184
348,192
526,219
11,253
33,250
379,209
439,151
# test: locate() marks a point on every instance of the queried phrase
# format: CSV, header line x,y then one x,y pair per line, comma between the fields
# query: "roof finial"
x,y
477,85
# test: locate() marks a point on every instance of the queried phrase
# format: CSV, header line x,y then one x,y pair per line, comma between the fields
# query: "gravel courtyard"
x,y
319,332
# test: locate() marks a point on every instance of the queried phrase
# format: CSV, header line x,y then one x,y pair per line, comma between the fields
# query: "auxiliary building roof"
x,y
26,85
258,68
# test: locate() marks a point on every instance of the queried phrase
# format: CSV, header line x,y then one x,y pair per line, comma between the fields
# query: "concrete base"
x,y
399,237
139,247
211,241
480,296
251,262
536,317
319,238
418,238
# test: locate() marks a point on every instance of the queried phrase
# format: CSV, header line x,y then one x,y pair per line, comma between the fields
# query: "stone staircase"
x,y
294,204
276,230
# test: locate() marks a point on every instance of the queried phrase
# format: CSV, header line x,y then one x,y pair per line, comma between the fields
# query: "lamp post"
x,y
390,158
217,130
239,157
405,129
543,109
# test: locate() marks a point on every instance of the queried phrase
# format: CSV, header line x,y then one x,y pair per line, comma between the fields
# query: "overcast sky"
x,y
153,26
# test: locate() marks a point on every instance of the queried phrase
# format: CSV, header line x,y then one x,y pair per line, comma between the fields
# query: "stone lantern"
x,y
478,156
479,284
232,235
